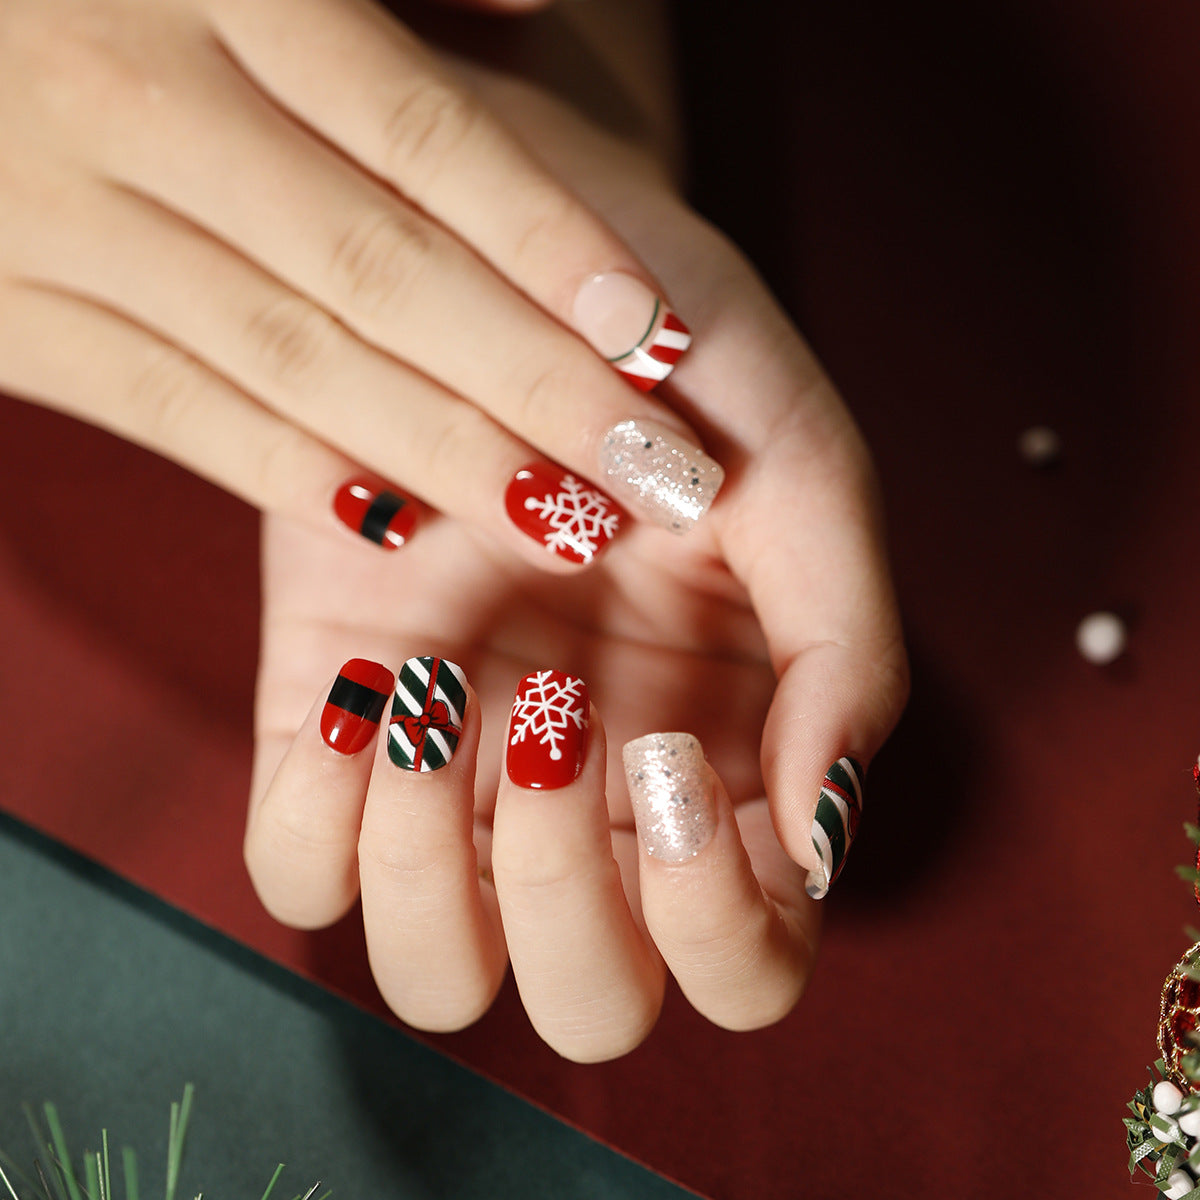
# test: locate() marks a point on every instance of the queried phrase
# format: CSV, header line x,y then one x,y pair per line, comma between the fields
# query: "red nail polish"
x,y
356,702
565,514
381,516
547,735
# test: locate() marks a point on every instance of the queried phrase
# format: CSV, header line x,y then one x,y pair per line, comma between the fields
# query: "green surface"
x,y
111,1000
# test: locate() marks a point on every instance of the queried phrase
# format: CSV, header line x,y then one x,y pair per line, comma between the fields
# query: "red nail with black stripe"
x,y
356,702
382,516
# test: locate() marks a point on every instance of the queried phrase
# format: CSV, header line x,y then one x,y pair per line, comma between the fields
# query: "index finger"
x,y
367,85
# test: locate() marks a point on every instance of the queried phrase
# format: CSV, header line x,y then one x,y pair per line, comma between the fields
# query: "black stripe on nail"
x,y
379,516
358,699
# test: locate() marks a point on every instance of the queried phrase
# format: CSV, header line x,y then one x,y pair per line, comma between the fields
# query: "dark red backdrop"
x,y
983,222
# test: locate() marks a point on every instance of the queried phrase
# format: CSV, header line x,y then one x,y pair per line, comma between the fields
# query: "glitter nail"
x,y
662,475
671,792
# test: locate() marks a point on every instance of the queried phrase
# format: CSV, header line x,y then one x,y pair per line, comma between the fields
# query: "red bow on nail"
x,y
438,717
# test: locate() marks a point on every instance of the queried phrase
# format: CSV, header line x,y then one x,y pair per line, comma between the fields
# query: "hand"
x,y
283,244
770,634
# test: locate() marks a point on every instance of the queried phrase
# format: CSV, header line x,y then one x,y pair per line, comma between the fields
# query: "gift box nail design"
x,y
569,517
547,734
839,810
427,714
381,516
631,326
671,794
355,705
660,474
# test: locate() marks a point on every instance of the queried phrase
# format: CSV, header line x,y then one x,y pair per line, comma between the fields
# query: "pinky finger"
x,y
68,353
741,956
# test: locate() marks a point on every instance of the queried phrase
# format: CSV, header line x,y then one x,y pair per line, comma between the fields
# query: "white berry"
x,y
1039,446
1100,637
1167,1097
1179,1183
1190,1123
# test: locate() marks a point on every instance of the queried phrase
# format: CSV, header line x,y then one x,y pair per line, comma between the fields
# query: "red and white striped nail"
x,y
631,326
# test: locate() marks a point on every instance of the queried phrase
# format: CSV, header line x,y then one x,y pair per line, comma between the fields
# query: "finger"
x,y
406,284
124,378
826,603
281,348
740,955
410,123
590,982
432,927
302,833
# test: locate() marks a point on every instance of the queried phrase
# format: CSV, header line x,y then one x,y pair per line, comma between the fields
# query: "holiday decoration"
x,y
381,516
655,355
355,705
839,810
1163,1135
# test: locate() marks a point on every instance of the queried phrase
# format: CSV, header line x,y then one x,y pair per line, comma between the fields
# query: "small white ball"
x,y
1100,637
1179,1183
1167,1097
1039,446
1190,1123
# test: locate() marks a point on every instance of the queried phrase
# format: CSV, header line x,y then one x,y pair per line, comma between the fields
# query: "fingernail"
x,y
547,734
567,516
427,714
663,476
383,517
839,810
671,791
631,326
356,703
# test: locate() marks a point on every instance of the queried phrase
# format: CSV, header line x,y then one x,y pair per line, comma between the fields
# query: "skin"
x,y
769,632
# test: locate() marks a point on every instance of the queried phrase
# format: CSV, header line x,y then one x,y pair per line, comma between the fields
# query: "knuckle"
x,y
541,394
549,224
166,393
380,260
292,340
426,125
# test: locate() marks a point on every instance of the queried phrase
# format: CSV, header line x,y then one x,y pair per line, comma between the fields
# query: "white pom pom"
x,y
1167,1097
1190,1123
1039,446
1179,1183
1100,637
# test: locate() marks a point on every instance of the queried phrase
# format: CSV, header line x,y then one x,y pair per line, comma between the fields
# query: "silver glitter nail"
x,y
655,471
671,792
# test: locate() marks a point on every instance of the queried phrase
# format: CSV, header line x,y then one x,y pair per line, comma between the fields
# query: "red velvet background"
x,y
983,221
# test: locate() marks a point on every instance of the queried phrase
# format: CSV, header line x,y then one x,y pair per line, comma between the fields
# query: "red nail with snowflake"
x,y
568,516
547,734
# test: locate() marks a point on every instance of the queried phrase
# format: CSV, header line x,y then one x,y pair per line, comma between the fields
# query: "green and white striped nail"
x,y
839,809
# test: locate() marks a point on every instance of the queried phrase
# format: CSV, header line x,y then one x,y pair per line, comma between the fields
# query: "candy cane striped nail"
x,y
427,714
839,809
632,327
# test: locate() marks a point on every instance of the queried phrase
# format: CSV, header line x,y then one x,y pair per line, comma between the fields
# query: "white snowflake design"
x,y
579,519
550,704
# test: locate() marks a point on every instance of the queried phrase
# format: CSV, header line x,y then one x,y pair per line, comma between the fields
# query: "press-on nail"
x,y
547,734
839,809
381,516
427,714
671,791
653,470
569,517
355,705
631,326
